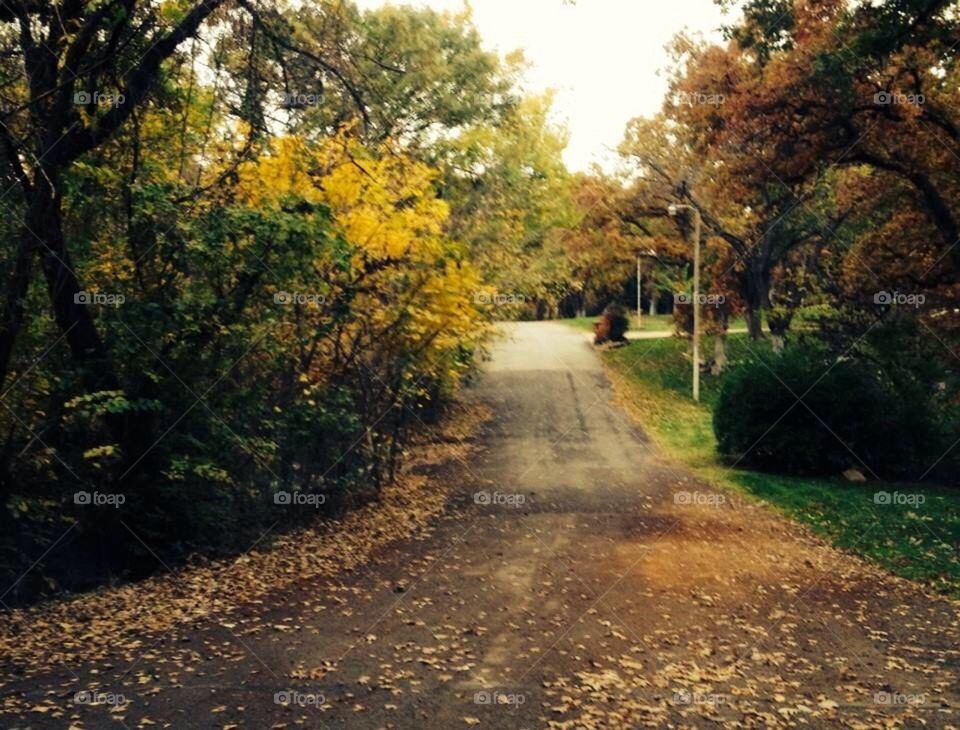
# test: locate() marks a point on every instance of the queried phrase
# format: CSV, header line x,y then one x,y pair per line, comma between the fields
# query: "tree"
x,y
760,215
512,198
859,84
602,247
285,300
73,58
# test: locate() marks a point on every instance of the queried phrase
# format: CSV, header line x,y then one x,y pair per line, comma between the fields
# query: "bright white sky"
x,y
602,57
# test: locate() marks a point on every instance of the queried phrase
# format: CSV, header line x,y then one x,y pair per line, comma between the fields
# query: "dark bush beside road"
x,y
807,413
612,325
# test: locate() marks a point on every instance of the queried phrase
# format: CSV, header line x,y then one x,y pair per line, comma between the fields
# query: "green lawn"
x,y
920,542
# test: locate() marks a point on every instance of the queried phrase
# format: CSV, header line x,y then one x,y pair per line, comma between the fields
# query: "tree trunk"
x,y
779,325
14,310
73,317
42,235
653,302
75,320
757,297
719,354
43,230
754,324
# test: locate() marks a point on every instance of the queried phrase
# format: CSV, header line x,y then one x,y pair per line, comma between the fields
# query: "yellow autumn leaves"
x,y
385,206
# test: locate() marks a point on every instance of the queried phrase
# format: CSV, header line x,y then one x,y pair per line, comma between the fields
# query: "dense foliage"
x,y
248,248
246,252
818,145
804,413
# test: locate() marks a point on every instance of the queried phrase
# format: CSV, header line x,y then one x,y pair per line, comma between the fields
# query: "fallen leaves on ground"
x,y
95,626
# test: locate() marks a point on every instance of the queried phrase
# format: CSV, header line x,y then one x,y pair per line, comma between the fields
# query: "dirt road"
x,y
576,580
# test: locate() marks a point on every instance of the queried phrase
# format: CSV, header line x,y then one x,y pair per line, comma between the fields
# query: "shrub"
x,y
612,326
849,415
278,352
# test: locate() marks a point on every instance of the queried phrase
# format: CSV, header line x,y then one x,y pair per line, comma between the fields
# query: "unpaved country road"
x,y
578,578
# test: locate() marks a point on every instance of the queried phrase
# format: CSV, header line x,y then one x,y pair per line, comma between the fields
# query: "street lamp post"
x,y
672,210
639,307
640,254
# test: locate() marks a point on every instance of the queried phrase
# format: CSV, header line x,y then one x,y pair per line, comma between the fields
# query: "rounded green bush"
x,y
806,413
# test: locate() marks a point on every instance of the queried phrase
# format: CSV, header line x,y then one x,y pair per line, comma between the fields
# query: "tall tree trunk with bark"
x,y
72,314
720,359
14,305
756,287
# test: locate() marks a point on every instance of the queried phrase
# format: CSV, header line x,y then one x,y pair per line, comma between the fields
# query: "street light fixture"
x,y
672,210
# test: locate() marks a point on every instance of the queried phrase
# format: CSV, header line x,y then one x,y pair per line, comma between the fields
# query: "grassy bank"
x,y
921,542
